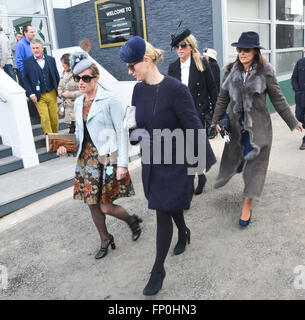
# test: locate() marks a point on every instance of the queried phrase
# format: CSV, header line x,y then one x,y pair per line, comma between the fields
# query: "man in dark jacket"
x,y
41,79
298,84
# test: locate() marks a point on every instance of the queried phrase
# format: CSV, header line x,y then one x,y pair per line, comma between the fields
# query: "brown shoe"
x,y
302,147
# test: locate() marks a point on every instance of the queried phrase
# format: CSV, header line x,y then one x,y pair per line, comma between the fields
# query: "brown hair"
x,y
66,59
25,28
259,59
94,70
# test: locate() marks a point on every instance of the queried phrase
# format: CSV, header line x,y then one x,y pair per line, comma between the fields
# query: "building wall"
x,y
63,28
162,19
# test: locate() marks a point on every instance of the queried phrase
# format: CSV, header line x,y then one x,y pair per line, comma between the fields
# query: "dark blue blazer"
x,y
31,75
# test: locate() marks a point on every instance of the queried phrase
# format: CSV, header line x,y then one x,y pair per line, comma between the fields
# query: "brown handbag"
x,y
56,140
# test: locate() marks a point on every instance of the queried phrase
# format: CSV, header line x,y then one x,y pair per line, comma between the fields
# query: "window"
x,y
16,14
286,61
279,23
253,9
290,10
289,36
24,7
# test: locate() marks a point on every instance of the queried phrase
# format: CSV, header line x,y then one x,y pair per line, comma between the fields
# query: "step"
x,y
40,141
5,151
10,164
43,155
35,183
37,128
35,120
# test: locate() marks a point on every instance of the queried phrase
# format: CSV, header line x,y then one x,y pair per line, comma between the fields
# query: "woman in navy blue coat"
x,y
162,102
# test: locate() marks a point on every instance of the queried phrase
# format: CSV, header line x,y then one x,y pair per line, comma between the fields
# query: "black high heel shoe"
x,y
103,251
154,284
202,179
182,239
135,228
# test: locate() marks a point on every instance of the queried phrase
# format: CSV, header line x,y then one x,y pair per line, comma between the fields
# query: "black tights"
x,y
99,212
165,234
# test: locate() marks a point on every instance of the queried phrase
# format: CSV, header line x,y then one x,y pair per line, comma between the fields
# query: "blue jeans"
x,y
8,68
300,114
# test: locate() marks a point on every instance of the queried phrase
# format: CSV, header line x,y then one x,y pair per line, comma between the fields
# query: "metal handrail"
x,y
3,99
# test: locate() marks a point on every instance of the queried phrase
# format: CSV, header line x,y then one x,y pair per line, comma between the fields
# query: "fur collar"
x,y
242,95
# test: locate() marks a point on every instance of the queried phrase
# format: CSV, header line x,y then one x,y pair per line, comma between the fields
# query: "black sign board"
x,y
119,20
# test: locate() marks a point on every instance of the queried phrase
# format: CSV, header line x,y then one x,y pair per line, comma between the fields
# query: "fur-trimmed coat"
x,y
250,99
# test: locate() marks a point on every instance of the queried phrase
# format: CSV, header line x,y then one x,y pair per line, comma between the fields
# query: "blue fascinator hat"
x,y
79,62
133,50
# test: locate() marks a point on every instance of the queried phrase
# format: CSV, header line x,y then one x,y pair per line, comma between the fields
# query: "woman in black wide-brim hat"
x,y
245,84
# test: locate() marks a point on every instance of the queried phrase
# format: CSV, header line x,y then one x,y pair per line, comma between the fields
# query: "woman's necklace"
x,y
91,96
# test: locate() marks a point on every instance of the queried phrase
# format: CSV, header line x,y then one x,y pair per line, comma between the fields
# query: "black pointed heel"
x,y
154,284
182,240
103,251
201,183
135,228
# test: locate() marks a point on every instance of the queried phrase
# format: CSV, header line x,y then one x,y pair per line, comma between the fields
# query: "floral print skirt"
x,y
95,183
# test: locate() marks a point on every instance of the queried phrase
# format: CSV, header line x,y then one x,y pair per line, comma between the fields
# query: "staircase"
x,y
40,141
9,163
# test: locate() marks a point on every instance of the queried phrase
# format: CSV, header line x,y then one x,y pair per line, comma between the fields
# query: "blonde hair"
x,y
195,52
153,53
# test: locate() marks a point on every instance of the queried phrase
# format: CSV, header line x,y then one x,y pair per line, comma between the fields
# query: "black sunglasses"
x,y
86,78
130,66
243,49
182,45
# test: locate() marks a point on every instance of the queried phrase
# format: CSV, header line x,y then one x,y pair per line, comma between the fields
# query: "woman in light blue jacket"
x,y
101,174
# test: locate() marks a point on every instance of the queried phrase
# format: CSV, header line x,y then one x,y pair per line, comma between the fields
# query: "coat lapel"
x,y
95,108
177,70
193,74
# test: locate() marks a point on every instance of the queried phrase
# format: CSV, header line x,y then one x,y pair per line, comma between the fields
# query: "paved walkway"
x,y
48,247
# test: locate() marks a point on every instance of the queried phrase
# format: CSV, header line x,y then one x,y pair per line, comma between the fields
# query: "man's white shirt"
x,y
41,62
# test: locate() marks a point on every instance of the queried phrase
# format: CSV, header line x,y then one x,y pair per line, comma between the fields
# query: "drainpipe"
x,y
52,25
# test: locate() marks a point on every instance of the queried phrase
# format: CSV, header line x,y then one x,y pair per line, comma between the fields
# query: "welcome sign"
x,y
119,20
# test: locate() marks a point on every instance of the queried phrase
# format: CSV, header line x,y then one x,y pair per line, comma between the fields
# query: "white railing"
x,y
15,124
